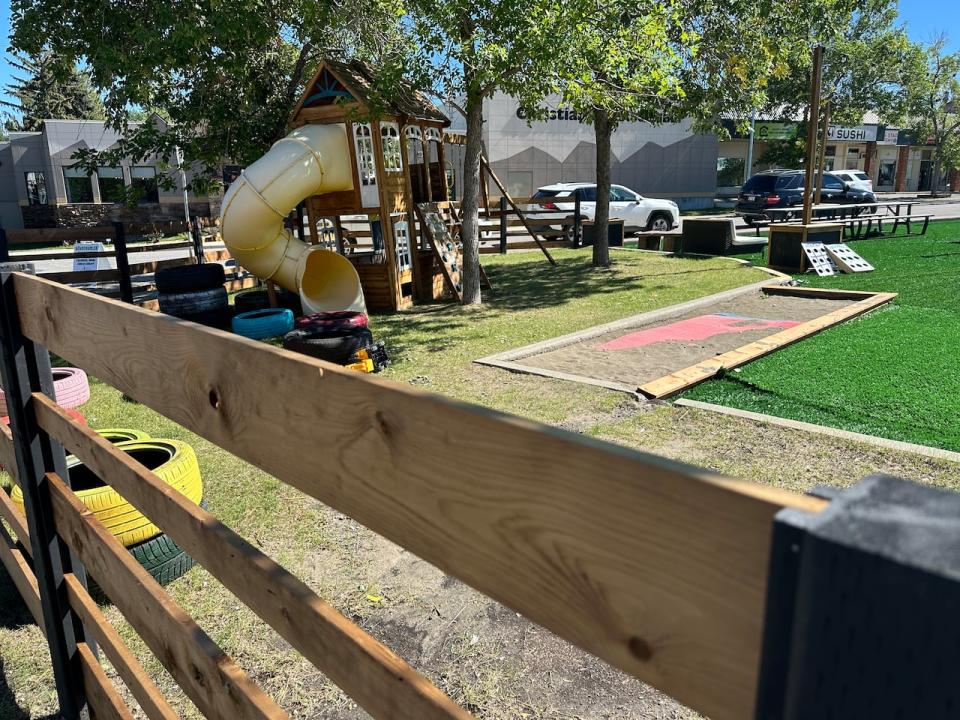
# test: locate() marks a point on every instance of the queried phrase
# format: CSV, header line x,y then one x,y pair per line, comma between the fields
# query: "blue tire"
x,y
260,324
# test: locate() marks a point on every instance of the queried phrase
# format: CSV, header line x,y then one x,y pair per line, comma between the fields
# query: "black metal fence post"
x,y
196,235
4,246
577,222
503,225
123,262
25,369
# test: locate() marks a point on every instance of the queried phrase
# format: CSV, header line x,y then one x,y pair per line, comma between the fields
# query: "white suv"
x,y
855,178
637,212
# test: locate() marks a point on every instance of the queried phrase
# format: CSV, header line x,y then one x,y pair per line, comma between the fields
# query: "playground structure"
x,y
359,168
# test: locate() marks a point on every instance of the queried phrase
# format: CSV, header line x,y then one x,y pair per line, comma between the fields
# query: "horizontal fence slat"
x,y
217,686
154,705
102,696
381,682
21,573
657,567
41,235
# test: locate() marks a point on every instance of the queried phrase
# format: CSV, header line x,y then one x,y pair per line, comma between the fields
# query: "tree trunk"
x,y
937,169
470,235
601,245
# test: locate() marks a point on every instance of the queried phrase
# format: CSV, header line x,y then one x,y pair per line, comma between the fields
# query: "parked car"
x,y
784,189
857,178
637,212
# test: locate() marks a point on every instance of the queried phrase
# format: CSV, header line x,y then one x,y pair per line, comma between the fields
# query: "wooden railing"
x,y
656,567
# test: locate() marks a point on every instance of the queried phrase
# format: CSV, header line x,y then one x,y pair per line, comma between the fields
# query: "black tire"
x,y
162,558
220,319
193,303
332,348
257,299
660,216
189,278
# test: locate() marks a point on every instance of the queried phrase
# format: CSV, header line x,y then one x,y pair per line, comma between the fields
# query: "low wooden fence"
x,y
123,253
656,567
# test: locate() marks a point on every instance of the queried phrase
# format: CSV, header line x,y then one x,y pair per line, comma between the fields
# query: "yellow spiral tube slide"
x,y
311,160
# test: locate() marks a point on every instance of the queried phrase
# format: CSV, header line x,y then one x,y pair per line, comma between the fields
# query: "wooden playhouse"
x,y
398,160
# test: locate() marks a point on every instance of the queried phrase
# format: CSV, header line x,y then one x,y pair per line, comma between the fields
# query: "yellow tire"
x,y
173,461
119,435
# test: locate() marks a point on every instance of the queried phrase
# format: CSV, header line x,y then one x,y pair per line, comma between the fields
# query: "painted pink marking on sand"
x,y
698,328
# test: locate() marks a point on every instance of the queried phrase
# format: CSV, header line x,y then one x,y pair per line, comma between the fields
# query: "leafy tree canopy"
x,y
49,87
226,73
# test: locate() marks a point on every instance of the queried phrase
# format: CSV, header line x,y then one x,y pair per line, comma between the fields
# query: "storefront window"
x,y
112,188
77,182
36,188
143,182
888,173
730,171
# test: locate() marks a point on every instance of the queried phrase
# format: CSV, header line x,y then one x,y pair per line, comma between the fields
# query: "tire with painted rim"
x,y
337,348
261,324
331,323
119,435
174,462
70,388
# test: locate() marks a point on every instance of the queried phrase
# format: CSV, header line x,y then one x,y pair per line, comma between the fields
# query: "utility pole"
x,y
814,115
183,183
822,155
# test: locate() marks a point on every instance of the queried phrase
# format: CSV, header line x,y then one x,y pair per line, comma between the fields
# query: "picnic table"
x,y
859,219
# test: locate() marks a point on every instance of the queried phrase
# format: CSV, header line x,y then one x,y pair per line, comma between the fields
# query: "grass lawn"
x,y
483,655
892,373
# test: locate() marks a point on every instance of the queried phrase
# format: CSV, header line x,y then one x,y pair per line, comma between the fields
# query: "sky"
x,y
925,19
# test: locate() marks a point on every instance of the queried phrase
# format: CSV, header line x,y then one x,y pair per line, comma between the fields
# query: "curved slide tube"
x,y
311,160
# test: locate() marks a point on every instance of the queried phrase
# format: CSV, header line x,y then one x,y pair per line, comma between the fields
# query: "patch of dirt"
x,y
634,366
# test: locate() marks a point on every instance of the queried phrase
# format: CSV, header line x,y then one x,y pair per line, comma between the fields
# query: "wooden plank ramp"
x,y
688,377
657,567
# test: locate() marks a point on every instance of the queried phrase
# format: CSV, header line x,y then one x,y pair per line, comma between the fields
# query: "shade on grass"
x,y
894,372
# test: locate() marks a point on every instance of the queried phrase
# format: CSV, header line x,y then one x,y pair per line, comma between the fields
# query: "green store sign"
x,y
774,131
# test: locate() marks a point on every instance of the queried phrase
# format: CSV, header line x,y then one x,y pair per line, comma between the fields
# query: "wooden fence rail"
x,y
657,567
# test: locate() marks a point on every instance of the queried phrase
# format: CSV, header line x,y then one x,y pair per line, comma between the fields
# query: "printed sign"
x,y
90,263
774,131
890,137
863,133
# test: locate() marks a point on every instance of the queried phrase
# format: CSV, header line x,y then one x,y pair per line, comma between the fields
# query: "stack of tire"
x,y
338,337
195,293
175,463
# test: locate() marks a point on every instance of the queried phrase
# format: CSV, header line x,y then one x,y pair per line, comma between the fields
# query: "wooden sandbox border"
x,y
678,381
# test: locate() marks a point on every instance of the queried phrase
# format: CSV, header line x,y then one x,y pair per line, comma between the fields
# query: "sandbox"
x,y
660,353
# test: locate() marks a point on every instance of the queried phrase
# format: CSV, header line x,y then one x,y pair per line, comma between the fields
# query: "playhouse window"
x,y
433,134
412,132
365,164
392,154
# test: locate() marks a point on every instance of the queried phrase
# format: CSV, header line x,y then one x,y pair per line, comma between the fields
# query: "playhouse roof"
x,y
336,80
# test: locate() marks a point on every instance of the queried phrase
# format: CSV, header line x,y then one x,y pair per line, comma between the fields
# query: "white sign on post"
x,y
90,263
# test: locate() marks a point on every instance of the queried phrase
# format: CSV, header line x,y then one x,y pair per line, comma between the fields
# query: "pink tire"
x,y
70,387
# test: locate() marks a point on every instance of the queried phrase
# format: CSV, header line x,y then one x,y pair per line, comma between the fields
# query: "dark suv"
x,y
784,189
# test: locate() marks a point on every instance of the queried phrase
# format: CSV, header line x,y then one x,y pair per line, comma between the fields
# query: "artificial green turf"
x,y
894,372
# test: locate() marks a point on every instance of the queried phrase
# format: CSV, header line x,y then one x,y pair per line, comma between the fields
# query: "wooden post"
x,y
426,163
272,294
503,191
822,155
314,223
814,116
197,234
26,369
386,221
503,225
123,263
